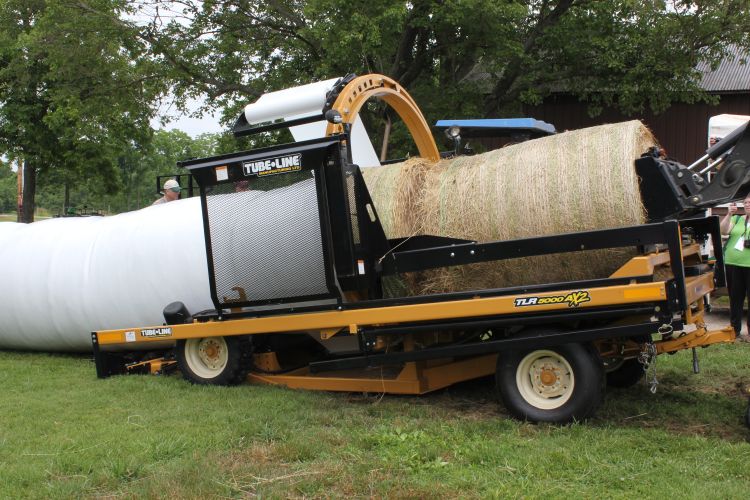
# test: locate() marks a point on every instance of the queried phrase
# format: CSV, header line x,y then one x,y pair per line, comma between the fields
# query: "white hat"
x,y
173,185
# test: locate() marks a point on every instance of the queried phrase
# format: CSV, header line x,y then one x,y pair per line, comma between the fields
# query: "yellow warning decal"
x,y
573,299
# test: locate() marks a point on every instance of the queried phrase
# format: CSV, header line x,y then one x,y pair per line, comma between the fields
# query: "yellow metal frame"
x,y
644,265
360,89
700,337
424,376
413,378
352,319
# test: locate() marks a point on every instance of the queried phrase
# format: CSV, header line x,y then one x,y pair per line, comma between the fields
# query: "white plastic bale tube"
x,y
64,278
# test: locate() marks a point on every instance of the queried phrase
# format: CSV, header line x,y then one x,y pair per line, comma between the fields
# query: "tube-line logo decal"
x,y
163,331
573,299
273,166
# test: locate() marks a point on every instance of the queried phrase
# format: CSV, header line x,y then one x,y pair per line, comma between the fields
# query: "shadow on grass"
x,y
677,407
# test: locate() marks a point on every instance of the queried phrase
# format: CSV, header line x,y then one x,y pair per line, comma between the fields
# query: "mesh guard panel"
x,y
266,242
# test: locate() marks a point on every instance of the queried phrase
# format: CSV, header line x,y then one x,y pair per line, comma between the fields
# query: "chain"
x,y
647,357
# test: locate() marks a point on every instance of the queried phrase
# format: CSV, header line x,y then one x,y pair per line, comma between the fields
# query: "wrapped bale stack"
x,y
574,181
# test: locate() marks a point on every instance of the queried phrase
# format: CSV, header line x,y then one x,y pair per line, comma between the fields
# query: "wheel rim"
x,y
206,357
545,379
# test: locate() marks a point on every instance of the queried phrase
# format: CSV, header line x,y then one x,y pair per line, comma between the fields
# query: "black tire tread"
x,y
236,370
585,401
627,375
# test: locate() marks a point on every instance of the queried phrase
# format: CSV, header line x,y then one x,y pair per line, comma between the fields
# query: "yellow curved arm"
x,y
358,91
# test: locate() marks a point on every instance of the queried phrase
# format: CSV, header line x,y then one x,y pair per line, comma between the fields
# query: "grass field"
x,y
63,433
40,214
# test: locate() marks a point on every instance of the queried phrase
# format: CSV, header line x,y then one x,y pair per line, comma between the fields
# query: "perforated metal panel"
x,y
266,242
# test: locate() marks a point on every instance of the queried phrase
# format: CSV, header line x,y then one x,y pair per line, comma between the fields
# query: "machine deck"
x,y
416,371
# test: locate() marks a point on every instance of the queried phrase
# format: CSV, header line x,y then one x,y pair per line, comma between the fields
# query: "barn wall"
x,y
682,129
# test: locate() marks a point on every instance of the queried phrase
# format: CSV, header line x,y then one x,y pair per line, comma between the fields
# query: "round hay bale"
x,y
574,181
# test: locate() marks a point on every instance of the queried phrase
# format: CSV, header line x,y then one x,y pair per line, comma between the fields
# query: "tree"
x,y
8,188
75,91
459,58
135,175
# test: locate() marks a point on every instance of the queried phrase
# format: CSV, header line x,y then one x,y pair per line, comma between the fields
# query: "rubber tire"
x,y
747,416
588,390
627,375
239,356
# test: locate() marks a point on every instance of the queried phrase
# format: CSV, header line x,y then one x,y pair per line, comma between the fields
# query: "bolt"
x,y
471,252
452,255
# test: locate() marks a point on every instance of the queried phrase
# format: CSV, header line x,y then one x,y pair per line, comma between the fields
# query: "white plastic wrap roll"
x,y
308,100
304,100
61,279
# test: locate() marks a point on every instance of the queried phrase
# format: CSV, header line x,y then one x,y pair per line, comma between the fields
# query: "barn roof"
x,y
732,74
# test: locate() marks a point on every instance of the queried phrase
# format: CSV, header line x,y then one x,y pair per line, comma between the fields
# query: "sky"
x,y
191,126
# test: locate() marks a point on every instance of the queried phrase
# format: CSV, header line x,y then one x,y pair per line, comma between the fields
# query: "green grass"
x,y
63,433
40,214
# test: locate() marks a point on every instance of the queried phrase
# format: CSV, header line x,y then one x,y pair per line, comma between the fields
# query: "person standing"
x,y
737,262
171,192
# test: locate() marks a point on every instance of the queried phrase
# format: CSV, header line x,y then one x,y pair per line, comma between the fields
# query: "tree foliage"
x,y
467,58
78,78
132,184
75,92
8,188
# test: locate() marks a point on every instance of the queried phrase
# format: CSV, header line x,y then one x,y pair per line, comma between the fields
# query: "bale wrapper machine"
x,y
307,308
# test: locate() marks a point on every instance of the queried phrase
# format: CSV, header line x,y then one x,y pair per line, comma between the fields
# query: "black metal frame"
x,y
242,128
203,171
702,228
520,341
668,233
425,252
669,189
659,313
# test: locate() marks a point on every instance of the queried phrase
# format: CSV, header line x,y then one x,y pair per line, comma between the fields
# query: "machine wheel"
x,y
561,384
747,416
627,373
214,360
